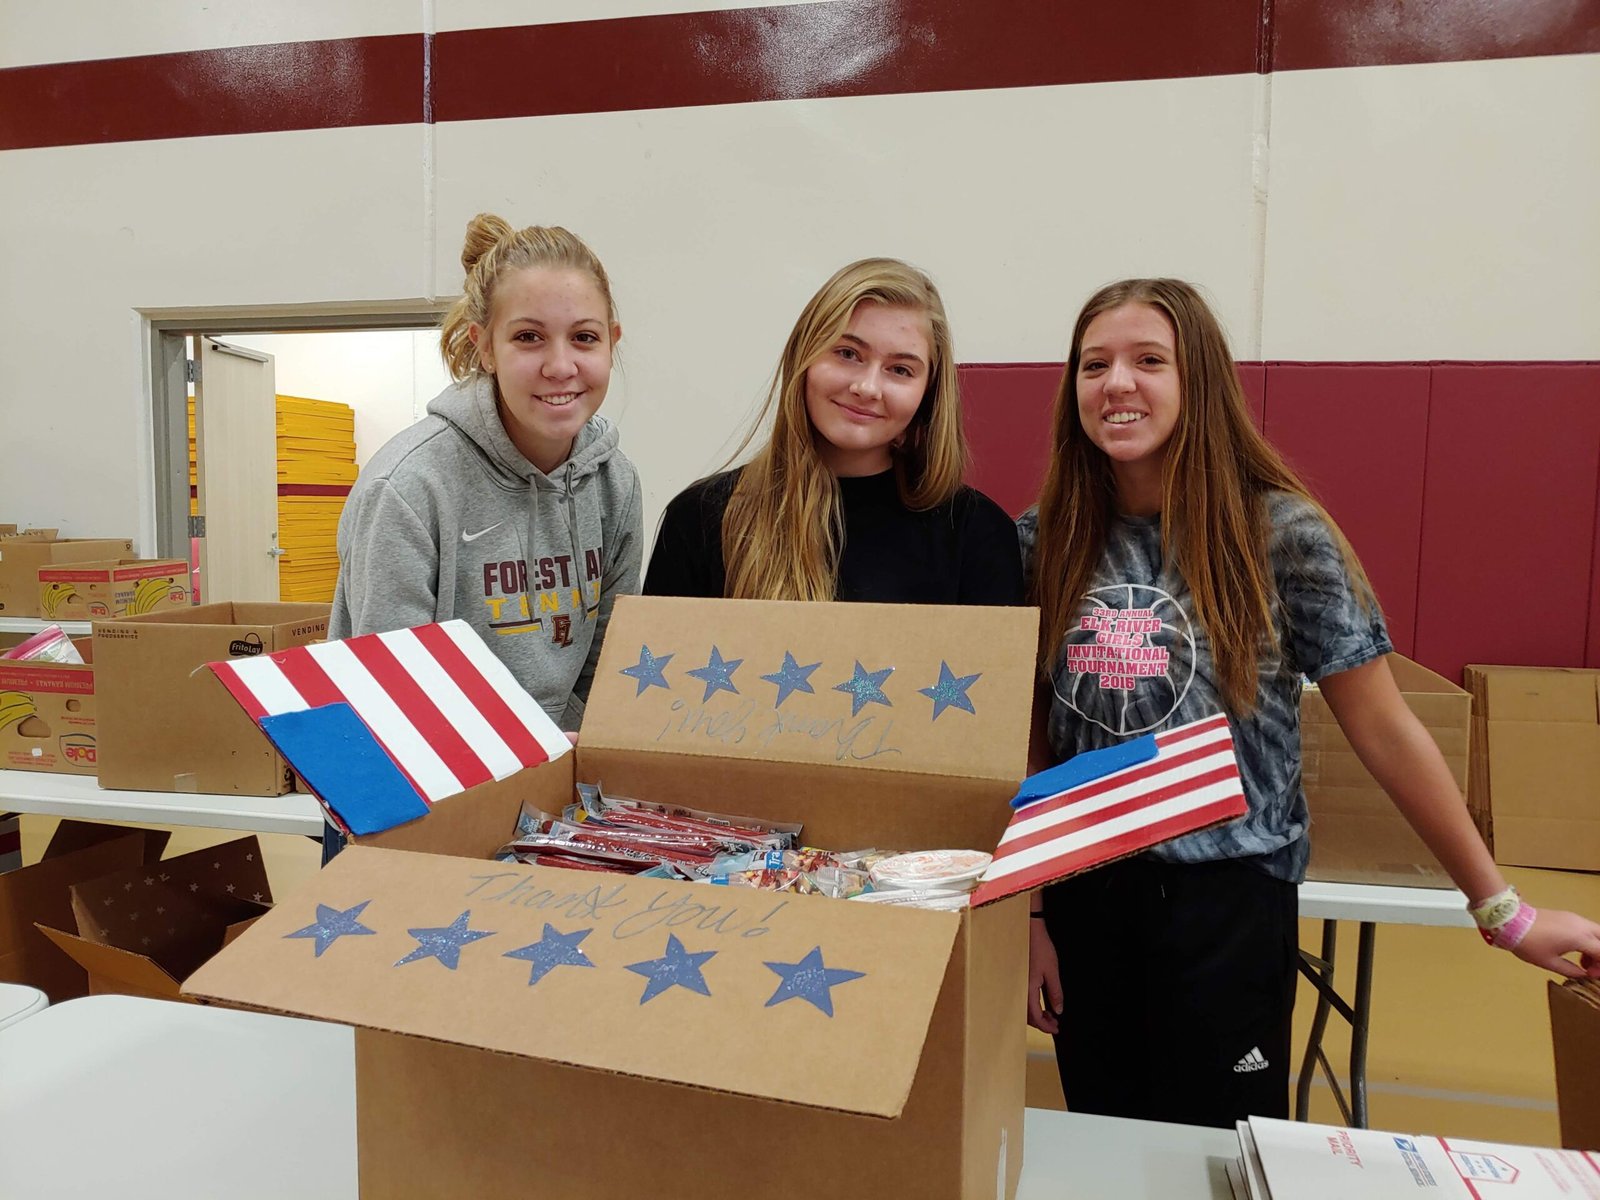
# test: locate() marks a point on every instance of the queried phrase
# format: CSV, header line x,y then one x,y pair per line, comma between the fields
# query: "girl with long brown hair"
x,y
1170,523
857,492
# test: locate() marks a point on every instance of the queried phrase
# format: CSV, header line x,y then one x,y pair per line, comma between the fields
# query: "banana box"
x,y
24,555
122,587
47,715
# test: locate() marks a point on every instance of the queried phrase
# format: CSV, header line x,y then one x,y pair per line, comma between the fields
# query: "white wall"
x,y
386,376
1394,212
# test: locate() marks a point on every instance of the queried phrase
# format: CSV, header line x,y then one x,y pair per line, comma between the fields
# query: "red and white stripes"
x,y
442,706
1192,783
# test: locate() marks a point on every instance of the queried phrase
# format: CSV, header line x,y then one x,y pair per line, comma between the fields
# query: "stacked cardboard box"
x,y
115,588
316,468
1575,1038
23,555
47,715
1536,764
165,724
1357,834
1294,1160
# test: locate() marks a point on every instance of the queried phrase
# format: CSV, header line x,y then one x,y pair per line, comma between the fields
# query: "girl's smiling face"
x,y
548,347
864,391
1128,388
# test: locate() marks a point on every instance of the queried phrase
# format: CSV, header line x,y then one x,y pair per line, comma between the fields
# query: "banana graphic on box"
x,y
14,707
53,595
150,594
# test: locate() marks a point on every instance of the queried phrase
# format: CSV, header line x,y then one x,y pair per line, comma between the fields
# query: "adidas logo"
x,y
1254,1061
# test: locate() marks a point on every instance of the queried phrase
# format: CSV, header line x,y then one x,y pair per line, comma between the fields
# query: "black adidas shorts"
x,y
1179,985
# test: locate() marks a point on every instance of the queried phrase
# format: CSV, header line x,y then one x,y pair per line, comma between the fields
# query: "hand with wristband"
x,y
1508,922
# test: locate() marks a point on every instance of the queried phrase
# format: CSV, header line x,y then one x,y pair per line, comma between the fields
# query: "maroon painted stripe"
x,y
803,51
844,48
246,89
1381,33
312,489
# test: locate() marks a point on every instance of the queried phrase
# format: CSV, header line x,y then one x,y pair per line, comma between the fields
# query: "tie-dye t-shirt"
x,y
1138,662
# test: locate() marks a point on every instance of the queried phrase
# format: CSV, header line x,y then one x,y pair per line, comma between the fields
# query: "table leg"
x,y
1359,1026
1320,972
1319,1022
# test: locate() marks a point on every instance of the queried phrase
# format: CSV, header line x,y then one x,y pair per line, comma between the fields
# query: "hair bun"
x,y
484,233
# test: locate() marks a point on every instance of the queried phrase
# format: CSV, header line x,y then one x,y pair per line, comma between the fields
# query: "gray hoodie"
x,y
450,520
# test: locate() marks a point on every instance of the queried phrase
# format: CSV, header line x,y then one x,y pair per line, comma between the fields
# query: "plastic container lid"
x,y
942,899
956,870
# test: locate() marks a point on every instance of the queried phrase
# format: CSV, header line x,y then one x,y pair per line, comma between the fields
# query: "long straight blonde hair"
x,y
782,531
1215,528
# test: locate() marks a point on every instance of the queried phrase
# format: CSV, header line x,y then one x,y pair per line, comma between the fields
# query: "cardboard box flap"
x,y
108,962
175,912
1536,693
799,999
918,688
72,836
261,617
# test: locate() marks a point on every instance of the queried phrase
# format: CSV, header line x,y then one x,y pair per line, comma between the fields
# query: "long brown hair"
x,y
1214,527
783,527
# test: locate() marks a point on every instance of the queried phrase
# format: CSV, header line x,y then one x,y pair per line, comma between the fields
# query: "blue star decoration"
x,y
950,691
554,949
648,670
865,687
717,674
445,943
810,980
676,968
333,924
791,678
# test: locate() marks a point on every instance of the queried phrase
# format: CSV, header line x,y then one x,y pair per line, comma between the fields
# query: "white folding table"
x,y
148,1099
1370,905
82,796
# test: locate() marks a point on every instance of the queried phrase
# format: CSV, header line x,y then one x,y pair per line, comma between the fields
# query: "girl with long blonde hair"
x,y
856,493
1183,570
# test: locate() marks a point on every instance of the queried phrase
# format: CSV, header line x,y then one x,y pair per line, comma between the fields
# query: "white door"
x,y
236,451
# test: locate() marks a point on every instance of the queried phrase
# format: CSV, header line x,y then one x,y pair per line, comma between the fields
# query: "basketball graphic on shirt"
x,y
1129,662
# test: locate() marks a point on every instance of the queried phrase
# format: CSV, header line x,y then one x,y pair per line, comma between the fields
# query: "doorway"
x,y
260,426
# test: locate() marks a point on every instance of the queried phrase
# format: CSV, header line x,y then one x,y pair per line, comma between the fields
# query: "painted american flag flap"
x,y
1113,807
426,713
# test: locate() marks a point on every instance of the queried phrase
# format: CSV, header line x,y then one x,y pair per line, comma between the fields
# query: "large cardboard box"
x,y
1357,834
142,931
116,588
1575,1037
904,1080
78,851
165,723
47,714
1536,765
22,556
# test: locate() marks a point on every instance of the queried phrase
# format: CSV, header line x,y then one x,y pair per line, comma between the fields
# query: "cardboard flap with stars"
x,y
898,1030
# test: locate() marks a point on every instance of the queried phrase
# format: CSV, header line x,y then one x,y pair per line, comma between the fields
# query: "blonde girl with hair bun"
x,y
856,493
509,505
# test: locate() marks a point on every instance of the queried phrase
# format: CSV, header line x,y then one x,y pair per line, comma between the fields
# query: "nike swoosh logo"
x,y
472,537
